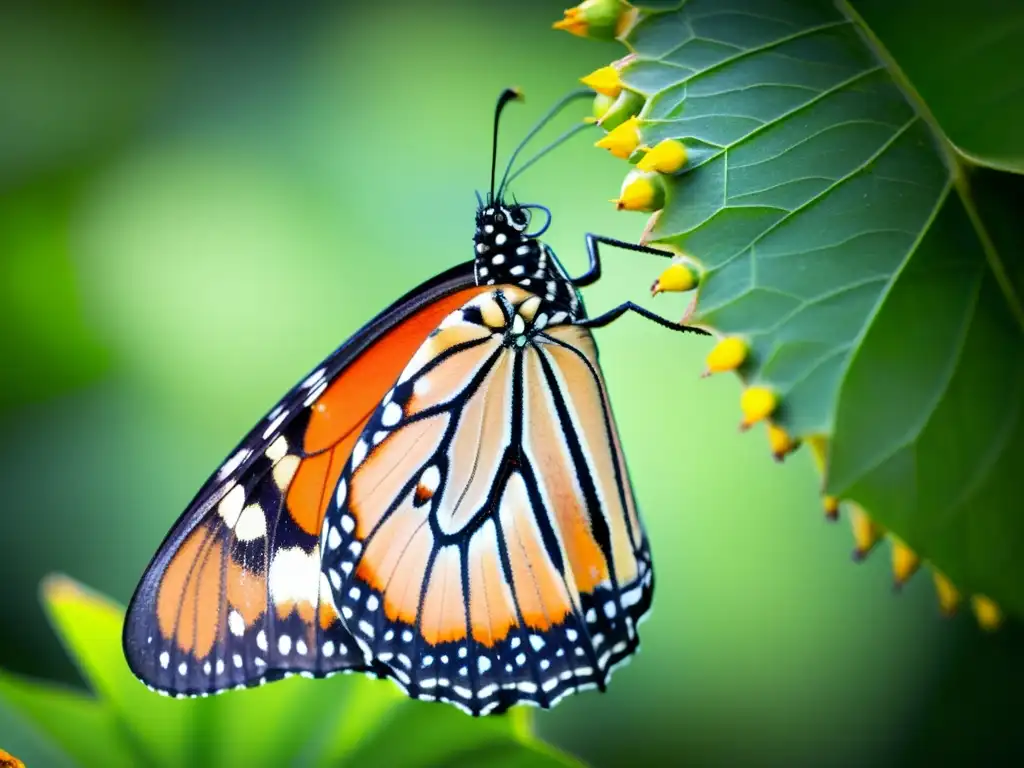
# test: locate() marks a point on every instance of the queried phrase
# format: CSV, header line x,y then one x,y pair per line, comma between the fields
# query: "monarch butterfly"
x,y
443,501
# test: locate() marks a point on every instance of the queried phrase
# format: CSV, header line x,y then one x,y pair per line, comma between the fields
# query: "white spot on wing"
x,y
233,463
272,428
236,624
294,576
252,524
431,478
277,449
230,507
392,414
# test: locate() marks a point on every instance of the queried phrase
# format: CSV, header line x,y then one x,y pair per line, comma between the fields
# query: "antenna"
x,y
551,113
507,95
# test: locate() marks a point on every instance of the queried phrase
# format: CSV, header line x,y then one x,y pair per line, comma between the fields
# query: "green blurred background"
x,y
198,201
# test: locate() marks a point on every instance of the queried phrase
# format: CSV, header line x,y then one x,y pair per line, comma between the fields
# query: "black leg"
x,y
613,314
593,273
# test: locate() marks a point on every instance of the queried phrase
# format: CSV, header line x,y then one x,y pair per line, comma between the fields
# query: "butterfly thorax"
x,y
506,254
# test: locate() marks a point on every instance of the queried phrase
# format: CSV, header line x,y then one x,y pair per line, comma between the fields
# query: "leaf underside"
x,y
841,236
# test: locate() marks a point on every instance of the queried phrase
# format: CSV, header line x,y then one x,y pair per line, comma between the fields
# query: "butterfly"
x,y
443,501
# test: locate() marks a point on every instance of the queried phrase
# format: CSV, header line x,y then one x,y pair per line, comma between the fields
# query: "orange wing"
x,y
483,543
236,594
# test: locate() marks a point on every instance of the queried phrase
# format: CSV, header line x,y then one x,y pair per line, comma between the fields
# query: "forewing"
x,y
236,594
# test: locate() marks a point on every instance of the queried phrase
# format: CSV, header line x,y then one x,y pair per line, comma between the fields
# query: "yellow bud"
x,y
598,19
949,595
668,156
905,563
605,81
677,277
623,140
573,23
781,442
727,355
866,533
757,403
986,612
641,192
831,506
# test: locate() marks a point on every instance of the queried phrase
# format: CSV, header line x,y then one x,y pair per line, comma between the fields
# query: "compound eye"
x,y
520,218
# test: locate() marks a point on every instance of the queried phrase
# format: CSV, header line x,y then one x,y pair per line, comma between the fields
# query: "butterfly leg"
x,y
593,273
613,314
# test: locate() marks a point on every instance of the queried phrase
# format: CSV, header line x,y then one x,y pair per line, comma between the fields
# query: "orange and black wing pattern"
x,y
483,543
236,594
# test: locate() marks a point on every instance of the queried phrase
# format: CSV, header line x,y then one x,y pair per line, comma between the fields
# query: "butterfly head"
x,y
505,251
507,247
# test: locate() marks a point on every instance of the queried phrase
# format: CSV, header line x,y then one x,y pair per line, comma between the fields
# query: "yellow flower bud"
x,y
641,192
604,80
986,612
781,442
676,277
949,595
597,19
727,355
831,507
905,563
623,140
757,403
866,533
668,156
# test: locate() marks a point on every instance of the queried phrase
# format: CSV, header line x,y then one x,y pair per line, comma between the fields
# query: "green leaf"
x,y
967,64
90,628
431,735
77,723
344,720
843,237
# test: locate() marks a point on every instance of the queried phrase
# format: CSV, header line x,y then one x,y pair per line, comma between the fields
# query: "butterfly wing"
x,y
236,594
483,543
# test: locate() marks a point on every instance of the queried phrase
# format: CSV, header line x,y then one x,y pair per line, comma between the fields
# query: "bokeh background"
x,y
198,201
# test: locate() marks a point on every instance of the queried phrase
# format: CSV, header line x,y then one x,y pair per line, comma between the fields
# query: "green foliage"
x,y
346,720
837,201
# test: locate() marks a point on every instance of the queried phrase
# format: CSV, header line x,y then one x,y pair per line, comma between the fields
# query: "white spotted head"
x,y
505,251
